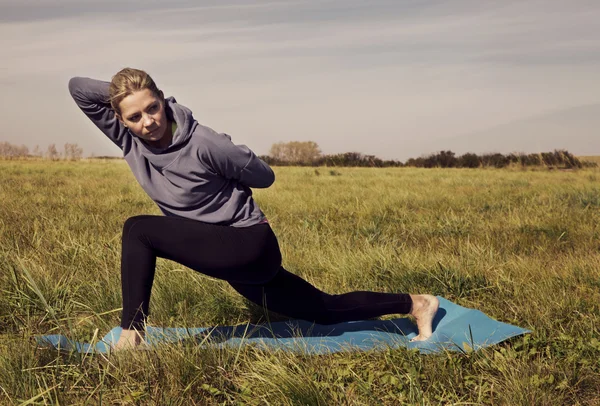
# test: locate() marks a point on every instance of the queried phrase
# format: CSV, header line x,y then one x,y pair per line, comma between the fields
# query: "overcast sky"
x,y
383,77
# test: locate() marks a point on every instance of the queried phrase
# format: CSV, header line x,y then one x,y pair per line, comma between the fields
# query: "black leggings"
x,y
248,258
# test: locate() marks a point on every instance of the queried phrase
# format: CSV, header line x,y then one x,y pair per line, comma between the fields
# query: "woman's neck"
x,y
166,139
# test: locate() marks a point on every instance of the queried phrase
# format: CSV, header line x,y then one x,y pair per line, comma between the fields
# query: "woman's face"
x,y
144,114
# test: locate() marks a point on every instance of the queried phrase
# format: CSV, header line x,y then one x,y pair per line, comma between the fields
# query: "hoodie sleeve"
x,y
238,162
92,98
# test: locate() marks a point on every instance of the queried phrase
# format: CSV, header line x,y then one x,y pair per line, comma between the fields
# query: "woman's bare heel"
x,y
423,310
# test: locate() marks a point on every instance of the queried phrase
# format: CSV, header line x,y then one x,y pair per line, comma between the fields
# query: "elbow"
x,y
266,179
75,87
269,179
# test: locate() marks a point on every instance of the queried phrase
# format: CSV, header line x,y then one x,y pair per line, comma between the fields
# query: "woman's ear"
x,y
120,119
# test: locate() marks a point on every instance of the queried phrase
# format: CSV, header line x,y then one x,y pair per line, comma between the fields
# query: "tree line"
x,y
448,159
308,153
70,152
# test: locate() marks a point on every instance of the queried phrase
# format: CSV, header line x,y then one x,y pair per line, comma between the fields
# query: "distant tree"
x,y
447,159
10,151
23,151
469,160
570,160
277,151
37,151
496,160
416,162
73,152
531,160
299,152
52,152
7,150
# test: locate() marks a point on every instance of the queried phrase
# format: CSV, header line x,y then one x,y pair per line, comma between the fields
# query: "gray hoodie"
x,y
202,175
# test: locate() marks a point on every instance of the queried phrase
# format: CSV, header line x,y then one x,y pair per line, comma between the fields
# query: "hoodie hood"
x,y
184,120
186,124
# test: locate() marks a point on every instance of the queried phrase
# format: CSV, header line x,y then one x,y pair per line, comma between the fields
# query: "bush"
x,y
446,159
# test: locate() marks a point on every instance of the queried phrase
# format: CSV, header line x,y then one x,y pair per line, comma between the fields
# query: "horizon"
x,y
60,155
390,79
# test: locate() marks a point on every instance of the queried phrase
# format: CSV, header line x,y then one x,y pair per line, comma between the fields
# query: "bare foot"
x,y
424,309
129,339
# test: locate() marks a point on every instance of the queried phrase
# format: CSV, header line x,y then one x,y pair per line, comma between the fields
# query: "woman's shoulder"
x,y
211,138
210,145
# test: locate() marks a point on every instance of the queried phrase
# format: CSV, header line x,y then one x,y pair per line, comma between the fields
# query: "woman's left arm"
x,y
239,162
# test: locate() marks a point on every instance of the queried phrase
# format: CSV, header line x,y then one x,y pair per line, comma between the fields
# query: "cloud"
x,y
35,10
363,75
508,33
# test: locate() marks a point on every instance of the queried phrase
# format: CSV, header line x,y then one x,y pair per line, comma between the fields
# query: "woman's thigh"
x,y
246,255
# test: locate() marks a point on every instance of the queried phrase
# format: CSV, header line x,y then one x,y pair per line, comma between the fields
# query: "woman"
x,y
202,184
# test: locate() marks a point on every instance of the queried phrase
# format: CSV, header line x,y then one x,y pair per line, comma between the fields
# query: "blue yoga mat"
x,y
456,328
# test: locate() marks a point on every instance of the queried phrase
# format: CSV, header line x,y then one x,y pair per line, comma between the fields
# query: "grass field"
x,y
522,246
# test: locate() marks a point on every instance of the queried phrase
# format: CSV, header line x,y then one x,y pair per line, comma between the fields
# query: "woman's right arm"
x,y
92,98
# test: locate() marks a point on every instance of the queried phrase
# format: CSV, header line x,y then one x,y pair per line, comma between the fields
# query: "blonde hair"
x,y
127,81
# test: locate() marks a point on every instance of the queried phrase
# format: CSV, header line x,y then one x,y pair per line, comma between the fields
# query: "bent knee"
x,y
131,221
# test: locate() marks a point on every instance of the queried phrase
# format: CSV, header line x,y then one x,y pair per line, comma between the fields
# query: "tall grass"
x,y
522,246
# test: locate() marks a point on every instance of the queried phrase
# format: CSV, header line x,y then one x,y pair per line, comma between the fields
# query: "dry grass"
x,y
522,246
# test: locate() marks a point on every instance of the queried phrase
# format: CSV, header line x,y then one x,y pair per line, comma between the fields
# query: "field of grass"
x,y
522,246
